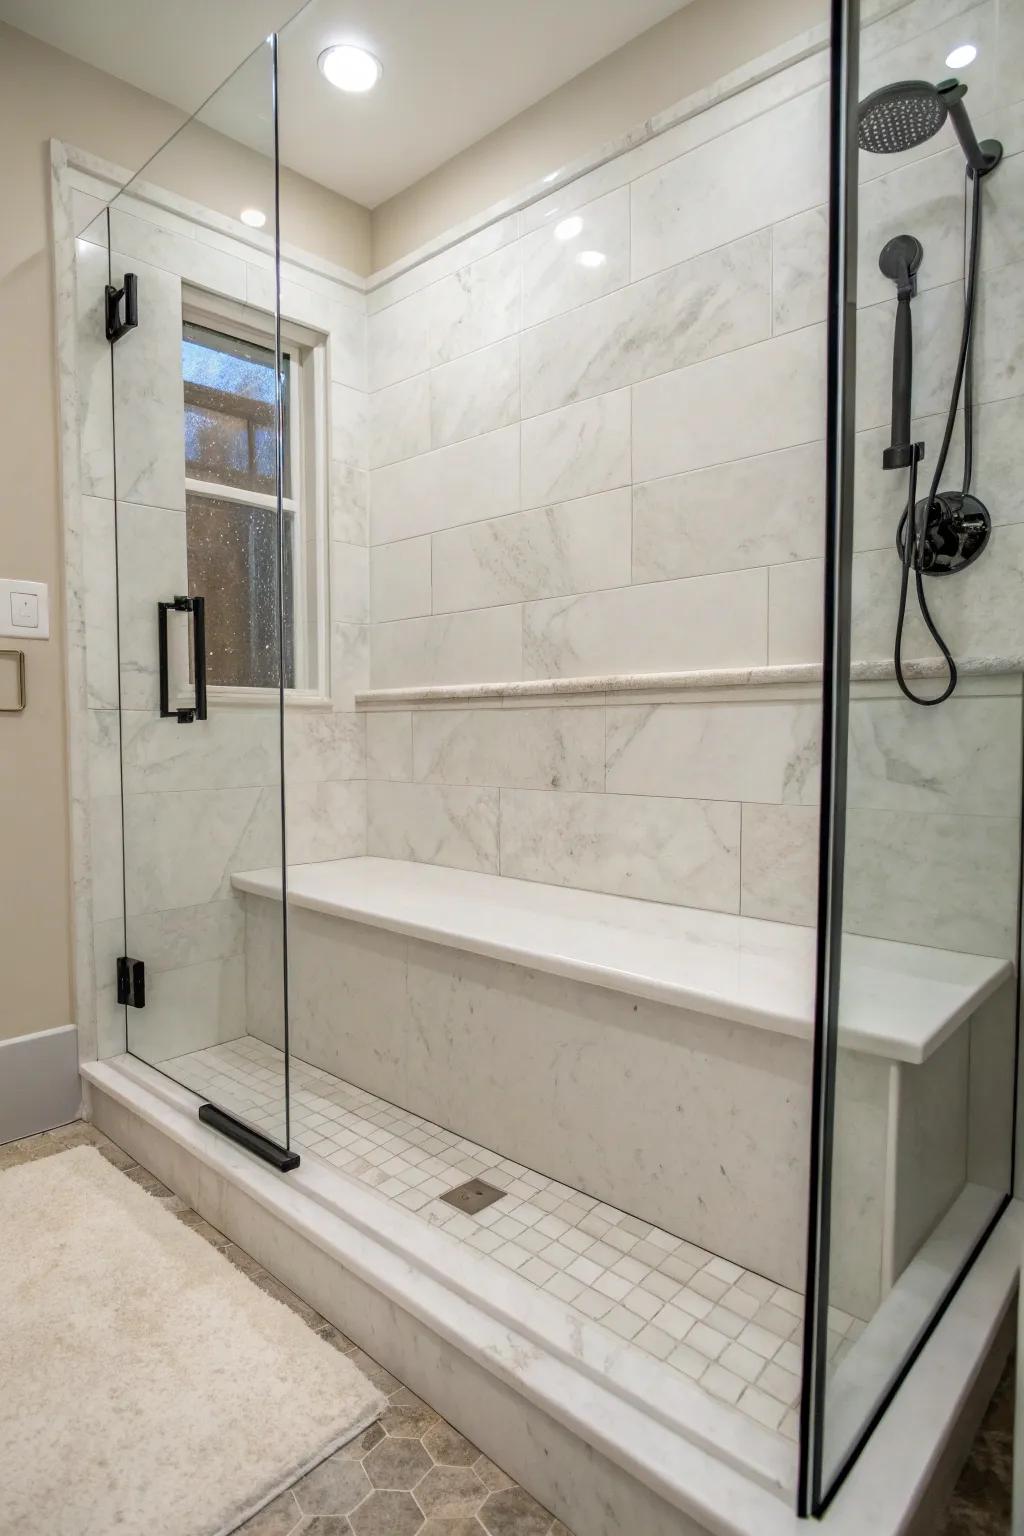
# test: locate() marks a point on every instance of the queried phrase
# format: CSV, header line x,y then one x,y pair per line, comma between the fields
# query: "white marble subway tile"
x,y
940,880
462,484
978,613
236,748
685,851
398,341
756,511
350,583
350,663
94,361
191,1009
479,304
799,270
713,303
768,396
521,749
400,580
344,326
795,603
431,270
1003,214
475,394
554,279
767,752
176,252
325,820
672,626
175,938
780,863
433,824
106,853
746,179
349,499
104,750
999,348
321,746
484,646
573,546
182,846
346,330
348,425
389,744
964,756
577,451
399,421
152,566
99,602
148,400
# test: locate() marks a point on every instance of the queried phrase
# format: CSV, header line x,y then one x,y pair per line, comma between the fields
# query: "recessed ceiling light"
x,y
960,57
350,68
591,258
254,217
569,228
551,176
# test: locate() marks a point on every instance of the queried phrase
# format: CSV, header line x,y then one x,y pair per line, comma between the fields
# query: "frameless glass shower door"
x,y
202,474
920,921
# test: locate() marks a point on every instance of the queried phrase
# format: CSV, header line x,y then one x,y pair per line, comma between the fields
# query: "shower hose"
x,y
915,518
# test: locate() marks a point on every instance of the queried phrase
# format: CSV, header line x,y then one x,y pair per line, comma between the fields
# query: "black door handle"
x,y
196,606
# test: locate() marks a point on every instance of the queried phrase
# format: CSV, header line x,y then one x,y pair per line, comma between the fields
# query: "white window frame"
x,y
308,501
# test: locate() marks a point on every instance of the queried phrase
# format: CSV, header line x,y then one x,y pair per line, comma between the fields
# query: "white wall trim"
x,y
39,1082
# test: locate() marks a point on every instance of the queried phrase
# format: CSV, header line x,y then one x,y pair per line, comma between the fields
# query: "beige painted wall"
x,y
44,94
689,50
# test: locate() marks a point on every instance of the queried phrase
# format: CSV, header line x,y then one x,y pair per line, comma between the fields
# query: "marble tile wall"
x,y
202,801
714,803
616,464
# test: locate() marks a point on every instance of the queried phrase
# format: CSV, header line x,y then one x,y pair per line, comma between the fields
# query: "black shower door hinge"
x,y
115,326
131,982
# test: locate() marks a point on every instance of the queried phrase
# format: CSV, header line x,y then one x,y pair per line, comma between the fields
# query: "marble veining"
x,y
713,303
569,547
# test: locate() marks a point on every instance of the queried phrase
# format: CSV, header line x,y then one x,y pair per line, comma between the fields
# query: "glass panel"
x,y
922,1032
200,533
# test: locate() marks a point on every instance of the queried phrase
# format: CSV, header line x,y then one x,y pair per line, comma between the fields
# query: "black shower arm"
x,y
981,158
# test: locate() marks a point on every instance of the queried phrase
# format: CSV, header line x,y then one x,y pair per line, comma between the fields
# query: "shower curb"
x,y
599,1461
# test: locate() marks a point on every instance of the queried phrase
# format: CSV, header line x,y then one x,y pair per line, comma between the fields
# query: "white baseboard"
x,y
39,1082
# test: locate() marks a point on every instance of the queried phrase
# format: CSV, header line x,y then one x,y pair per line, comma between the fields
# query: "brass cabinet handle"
x,y
19,661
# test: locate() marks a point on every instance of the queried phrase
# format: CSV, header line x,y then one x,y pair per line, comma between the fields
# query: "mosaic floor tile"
x,y
653,1290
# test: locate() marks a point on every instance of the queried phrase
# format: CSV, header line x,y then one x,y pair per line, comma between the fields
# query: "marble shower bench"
x,y
532,1017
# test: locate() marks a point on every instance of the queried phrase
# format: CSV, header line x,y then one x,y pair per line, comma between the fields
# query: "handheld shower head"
x,y
899,117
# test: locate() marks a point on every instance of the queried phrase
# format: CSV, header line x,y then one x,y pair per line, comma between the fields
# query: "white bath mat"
x,y
147,1388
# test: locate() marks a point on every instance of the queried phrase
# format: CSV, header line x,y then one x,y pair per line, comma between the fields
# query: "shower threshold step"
x,y
602,1434
732,1332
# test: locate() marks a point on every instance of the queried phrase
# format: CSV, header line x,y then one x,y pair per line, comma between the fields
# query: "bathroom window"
x,y
234,553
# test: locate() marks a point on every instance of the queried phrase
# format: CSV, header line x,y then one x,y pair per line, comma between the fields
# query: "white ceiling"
x,y
454,70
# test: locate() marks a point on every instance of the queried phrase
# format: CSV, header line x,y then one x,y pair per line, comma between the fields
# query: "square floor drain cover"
x,y
473,1196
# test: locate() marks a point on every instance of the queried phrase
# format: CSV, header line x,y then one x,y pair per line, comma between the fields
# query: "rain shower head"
x,y
899,117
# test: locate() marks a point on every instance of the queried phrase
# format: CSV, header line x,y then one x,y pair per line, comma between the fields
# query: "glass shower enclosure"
x,y
234,519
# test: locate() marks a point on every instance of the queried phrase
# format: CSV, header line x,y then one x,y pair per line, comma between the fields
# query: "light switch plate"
x,y
24,609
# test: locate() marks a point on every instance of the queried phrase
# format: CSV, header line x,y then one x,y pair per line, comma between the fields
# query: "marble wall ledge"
x,y
802,674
